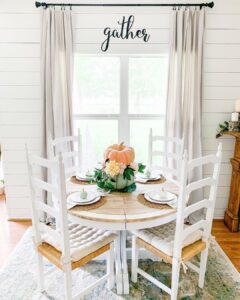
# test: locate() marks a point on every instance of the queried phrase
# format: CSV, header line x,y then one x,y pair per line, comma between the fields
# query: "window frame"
x,y
124,117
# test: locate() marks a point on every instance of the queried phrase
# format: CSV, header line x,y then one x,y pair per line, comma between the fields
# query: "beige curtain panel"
x,y
57,68
185,84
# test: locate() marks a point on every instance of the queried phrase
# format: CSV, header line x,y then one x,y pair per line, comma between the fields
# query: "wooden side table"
x,y
231,217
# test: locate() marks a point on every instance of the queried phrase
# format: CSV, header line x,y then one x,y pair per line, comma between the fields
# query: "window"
x,y
119,99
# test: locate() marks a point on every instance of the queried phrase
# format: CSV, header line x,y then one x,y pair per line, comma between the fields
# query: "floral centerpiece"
x,y
118,170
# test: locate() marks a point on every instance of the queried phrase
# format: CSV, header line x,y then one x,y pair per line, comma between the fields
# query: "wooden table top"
x,y
123,207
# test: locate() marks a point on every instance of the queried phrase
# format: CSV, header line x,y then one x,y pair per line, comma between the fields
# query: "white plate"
x,y
161,196
83,177
152,177
75,197
72,204
171,203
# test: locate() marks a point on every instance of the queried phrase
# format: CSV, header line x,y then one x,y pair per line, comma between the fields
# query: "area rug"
x,y
18,279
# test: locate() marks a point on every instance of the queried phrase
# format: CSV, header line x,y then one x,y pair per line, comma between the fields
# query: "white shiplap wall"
x,y
20,107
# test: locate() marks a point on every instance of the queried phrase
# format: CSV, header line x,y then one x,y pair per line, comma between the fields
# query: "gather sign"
x,y
125,32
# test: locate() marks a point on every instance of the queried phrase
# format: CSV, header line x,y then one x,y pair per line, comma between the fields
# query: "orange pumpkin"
x,y
120,153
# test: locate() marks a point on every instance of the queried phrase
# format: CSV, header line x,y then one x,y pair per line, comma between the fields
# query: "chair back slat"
x,y
205,203
65,139
47,209
71,154
192,228
166,170
200,184
167,139
42,162
45,186
165,154
208,159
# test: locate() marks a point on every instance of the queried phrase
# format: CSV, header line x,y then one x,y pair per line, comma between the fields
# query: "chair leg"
x,y
203,265
67,273
175,278
118,264
134,258
40,273
110,267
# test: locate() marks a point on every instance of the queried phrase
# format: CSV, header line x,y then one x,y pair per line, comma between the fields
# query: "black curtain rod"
x,y
46,5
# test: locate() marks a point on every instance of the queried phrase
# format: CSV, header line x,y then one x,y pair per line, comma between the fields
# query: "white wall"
x,y
20,107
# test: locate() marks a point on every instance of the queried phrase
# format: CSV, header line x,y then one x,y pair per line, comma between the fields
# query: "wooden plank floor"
x,y
229,241
11,233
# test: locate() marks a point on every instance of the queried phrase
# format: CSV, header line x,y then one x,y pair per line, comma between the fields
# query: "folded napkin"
x,y
141,180
70,204
145,180
172,203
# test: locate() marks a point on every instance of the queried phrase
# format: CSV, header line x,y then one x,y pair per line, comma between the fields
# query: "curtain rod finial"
x,y
43,4
211,4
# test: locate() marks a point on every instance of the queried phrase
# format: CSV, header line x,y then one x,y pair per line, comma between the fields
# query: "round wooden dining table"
x,y
122,212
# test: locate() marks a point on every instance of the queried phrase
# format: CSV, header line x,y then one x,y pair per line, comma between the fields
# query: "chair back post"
x,y
50,155
150,148
181,206
180,148
35,214
213,193
63,209
50,147
79,146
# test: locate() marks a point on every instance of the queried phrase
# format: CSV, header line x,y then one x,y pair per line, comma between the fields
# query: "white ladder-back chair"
x,y
171,155
71,149
175,242
71,245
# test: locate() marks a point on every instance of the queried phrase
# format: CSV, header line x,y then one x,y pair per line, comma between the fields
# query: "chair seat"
x,y
83,240
162,237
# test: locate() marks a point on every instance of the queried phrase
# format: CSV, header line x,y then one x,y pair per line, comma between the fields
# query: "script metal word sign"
x,y
124,32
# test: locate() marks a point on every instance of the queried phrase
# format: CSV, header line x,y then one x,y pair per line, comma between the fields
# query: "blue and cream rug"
x,y
18,279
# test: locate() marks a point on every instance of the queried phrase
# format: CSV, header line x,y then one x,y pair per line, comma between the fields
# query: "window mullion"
x,y
123,126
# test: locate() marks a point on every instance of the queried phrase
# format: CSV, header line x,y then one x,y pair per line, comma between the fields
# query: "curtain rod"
x,y
46,5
